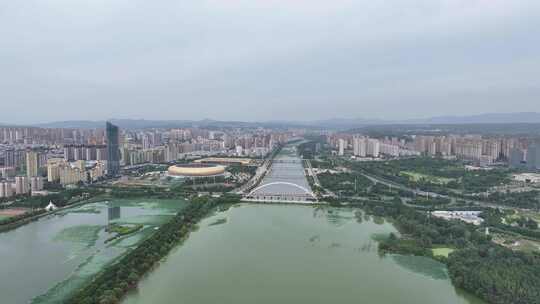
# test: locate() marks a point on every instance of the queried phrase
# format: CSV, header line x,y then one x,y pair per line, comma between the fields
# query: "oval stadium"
x,y
195,170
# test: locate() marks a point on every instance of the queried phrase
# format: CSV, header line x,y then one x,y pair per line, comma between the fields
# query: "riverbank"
x,y
476,264
68,248
34,215
112,283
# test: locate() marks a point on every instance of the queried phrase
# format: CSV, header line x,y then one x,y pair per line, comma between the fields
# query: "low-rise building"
x,y
527,178
471,217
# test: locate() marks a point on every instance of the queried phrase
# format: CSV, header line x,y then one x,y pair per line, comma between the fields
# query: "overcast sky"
x,y
260,60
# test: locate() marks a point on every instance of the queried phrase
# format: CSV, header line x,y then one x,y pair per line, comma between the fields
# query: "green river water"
x,y
44,261
293,254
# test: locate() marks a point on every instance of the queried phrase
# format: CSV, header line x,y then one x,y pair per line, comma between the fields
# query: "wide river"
x,y
293,254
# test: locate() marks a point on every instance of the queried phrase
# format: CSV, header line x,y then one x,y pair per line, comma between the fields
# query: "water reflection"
x,y
113,213
338,217
422,265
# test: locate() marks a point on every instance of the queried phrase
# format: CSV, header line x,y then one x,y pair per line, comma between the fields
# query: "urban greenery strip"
x,y
113,283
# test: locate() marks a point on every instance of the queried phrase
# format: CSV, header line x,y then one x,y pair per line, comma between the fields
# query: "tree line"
x,y
490,271
116,280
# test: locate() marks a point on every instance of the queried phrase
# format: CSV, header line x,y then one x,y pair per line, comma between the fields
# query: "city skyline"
x,y
270,151
267,60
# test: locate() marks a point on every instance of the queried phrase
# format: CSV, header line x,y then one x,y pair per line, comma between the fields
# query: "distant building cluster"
x,y
68,173
28,136
20,185
162,146
363,146
13,181
31,158
469,147
485,151
85,152
475,148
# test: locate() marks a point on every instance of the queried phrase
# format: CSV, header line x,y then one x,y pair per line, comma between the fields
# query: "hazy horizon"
x,y
483,118
267,60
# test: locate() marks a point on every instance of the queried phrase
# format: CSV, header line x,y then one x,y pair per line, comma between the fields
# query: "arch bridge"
x,y
305,194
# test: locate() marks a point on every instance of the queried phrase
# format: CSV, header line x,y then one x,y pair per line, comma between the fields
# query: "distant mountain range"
x,y
522,117
143,123
335,123
490,118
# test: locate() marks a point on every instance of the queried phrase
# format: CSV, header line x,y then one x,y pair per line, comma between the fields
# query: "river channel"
x,y
287,170
293,254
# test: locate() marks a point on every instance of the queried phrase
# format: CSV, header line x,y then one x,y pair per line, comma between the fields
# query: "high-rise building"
x,y
36,183
113,151
78,153
533,157
31,164
53,169
7,172
420,144
3,189
21,185
171,152
516,157
389,149
90,153
101,153
341,146
71,175
97,171
373,147
359,146
68,153
6,189
9,160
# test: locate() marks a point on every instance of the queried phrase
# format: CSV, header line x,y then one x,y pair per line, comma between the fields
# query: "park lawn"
x,y
516,243
442,251
533,215
415,176
529,246
518,213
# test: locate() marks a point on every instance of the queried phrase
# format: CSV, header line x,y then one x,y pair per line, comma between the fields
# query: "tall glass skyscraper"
x,y
113,152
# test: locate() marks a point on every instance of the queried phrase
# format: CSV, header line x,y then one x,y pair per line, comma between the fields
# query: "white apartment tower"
x,y
341,146
359,146
373,147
